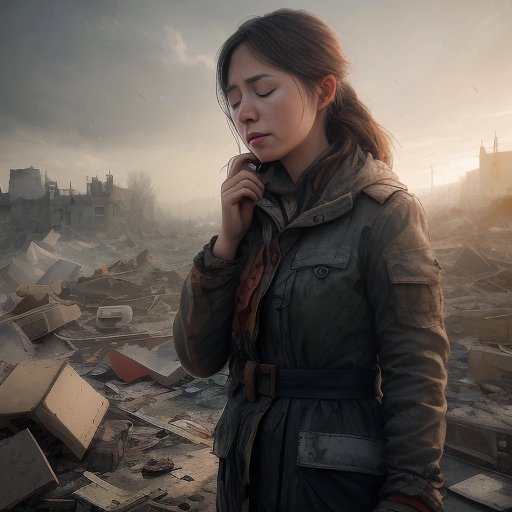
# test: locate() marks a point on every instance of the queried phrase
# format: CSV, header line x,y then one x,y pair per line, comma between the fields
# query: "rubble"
x,y
161,363
14,344
108,446
57,382
24,470
54,394
112,318
108,497
493,492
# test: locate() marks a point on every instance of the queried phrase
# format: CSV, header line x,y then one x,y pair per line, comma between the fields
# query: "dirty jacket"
x,y
346,282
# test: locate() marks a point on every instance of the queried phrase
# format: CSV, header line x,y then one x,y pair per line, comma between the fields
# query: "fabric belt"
x,y
269,380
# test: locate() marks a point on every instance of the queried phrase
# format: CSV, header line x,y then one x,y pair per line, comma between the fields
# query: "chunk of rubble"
x,y
111,318
24,471
161,363
489,326
480,437
494,492
43,320
109,498
486,362
108,446
14,344
51,392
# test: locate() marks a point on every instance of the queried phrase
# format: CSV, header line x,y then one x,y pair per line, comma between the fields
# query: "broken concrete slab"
x,y
479,439
45,319
24,471
51,239
21,271
14,344
161,363
39,257
53,393
486,362
104,286
494,492
489,326
63,270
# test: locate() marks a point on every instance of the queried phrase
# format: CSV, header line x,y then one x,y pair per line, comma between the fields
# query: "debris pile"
x,y
475,252
96,412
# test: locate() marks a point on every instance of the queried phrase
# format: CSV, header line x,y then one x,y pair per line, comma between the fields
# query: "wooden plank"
x,y
167,426
108,497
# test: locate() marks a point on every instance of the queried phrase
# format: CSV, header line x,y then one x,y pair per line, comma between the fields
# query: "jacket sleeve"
x,y
405,292
203,324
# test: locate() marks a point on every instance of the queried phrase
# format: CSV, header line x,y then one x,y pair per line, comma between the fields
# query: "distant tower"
x,y
495,148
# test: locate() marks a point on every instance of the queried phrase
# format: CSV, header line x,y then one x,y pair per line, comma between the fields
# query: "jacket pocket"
x,y
321,259
415,279
341,452
306,256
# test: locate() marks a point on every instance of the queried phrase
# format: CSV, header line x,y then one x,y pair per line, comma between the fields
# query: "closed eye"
x,y
266,94
234,106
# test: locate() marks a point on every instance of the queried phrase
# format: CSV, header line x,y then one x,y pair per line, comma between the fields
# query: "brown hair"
x,y
301,44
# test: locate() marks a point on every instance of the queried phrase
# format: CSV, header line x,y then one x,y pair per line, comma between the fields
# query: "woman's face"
x,y
274,114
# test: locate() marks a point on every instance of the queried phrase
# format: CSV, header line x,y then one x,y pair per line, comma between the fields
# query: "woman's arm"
x,y
405,292
202,327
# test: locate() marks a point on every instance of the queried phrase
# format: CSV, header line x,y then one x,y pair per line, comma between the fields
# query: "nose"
x,y
246,111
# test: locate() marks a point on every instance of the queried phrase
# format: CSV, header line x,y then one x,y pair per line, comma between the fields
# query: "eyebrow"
x,y
249,80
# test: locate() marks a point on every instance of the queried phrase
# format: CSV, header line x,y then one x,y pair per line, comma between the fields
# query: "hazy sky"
x,y
92,85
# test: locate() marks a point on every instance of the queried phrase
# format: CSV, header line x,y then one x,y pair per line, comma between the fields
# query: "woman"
x,y
321,290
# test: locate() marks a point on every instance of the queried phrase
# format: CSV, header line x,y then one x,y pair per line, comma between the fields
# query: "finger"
x,y
242,193
242,177
245,184
257,187
236,164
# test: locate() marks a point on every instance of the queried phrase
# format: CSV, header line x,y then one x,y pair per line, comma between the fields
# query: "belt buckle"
x,y
250,375
270,369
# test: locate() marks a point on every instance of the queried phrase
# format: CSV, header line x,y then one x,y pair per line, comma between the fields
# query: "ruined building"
x,y
38,205
493,178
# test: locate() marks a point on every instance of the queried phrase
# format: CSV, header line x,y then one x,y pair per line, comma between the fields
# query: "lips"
x,y
255,137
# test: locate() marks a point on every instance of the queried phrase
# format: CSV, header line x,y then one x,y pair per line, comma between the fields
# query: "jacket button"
x,y
321,272
318,218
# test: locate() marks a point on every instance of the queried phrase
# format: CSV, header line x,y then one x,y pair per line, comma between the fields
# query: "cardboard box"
x,y
57,397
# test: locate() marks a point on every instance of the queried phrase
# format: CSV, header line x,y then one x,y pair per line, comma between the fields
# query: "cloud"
x,y
180,49
97,74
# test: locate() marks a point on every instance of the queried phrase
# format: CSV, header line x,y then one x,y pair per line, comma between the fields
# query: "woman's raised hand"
x,y
239,194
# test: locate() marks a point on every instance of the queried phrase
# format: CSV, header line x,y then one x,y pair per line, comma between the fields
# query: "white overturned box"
x,y
55,395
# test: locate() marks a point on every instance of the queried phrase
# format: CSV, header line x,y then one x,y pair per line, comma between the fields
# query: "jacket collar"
x,y
345,181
